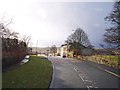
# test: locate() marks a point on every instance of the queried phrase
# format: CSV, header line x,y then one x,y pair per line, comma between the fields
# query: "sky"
x,y
50,23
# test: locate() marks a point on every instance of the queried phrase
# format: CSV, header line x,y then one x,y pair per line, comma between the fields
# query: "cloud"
x,y
96,25
98,9
42,13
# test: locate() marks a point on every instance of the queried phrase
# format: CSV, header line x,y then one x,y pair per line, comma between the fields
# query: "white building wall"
x,y
61,52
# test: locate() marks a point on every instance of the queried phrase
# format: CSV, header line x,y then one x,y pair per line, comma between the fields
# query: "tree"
x,y
4,24
13,49
80,37
26,39
112,34
53,49
6,32
77,41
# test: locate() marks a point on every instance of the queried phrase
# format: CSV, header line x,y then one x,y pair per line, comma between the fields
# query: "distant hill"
x,y
41,49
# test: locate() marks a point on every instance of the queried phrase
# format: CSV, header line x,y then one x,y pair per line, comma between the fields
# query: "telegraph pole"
x,y
36,47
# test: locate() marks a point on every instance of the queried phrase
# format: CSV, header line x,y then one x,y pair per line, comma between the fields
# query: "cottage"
x,y
63,50
65,53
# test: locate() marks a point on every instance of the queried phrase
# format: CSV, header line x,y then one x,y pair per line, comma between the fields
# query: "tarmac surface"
x,y
69,73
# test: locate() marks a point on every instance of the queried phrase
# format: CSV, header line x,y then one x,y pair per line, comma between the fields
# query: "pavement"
x,y
25,60
69,73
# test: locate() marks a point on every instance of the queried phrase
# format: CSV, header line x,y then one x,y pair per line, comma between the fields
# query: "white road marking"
x,y
87,81
88,87
110,72
91,86
84,76
75,69
81,77
95,87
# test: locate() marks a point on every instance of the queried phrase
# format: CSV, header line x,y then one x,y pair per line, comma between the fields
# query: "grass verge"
x,y
34,74
109,60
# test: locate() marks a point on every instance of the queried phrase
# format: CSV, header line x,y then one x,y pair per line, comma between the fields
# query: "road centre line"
x,y
91,87
85,81
95,87
88,87
75,69
81,77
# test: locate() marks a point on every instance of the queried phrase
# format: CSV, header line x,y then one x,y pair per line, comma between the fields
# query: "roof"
x,y
63,45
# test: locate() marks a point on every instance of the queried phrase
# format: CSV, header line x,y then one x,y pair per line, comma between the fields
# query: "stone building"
x,y
65,53
63,50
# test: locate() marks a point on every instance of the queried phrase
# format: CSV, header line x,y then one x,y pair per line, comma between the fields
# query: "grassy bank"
x,y
109,60
34,74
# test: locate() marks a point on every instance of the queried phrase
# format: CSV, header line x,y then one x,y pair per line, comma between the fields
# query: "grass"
x,y
109,57
109,60
34,74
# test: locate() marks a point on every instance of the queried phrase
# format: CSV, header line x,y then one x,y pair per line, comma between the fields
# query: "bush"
x,y
12,57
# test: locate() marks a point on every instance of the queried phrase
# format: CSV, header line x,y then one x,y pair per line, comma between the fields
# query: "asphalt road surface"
x,y
69,73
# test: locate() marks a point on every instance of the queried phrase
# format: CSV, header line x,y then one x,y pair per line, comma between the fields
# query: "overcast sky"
x,y
52,22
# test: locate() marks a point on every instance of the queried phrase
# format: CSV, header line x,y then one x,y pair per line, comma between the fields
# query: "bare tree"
x,y
4,23
6,32
79,36
13,49
53,49
26,39
77,41
112,34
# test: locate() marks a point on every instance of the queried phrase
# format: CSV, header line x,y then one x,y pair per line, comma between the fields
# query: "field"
x,y
34,74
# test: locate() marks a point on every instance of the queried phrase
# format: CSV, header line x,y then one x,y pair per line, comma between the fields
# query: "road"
x,y
69,73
